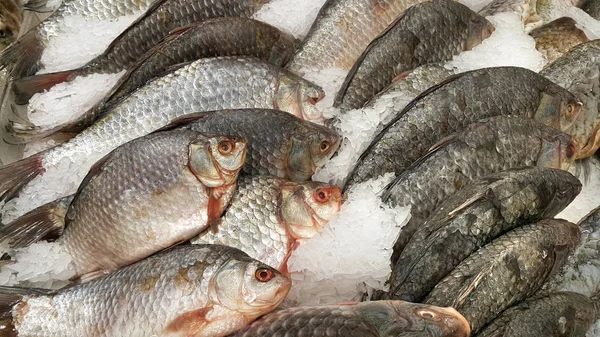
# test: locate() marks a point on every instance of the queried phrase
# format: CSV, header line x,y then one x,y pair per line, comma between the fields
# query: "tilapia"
x,y
116,218
534,13
592,7
458,101
279,144
166,18
269,217
367,319
473,217
556,38
11,18
432,31
22,57
192,290
342,31
579,72
556,315
204,85
506,271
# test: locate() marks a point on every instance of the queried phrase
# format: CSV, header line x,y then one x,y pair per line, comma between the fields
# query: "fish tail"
x,y
22,56
27,132
44,222
9,298
26,87
16,175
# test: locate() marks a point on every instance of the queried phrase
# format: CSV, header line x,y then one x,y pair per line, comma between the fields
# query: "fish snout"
x,y
455,323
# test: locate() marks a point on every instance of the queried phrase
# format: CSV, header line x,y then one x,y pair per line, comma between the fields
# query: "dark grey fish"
x,y
556,38
592,7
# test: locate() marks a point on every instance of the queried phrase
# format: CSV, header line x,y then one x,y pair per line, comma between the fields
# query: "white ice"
x,y
292,16
588,198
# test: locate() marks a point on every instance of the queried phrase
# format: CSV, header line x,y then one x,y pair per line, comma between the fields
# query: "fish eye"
x,y
313,100
324,146
225,147
264,275
322,195
570,108
426,314
570,152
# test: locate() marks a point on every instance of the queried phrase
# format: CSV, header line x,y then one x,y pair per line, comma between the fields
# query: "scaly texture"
x,y
506,271
556,38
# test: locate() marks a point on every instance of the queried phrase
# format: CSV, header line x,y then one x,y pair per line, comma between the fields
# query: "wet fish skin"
x,y
279,144
579,72
457,102
556,38
366,319
414,39
555,315
342,31
473,217
187,290
506,271
592,7
269,217
116,218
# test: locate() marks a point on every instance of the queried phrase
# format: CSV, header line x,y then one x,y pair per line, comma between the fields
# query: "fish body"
x,y
592,7
428,32
556,38
506,271
342,31
556,315
473,217
367,319
455,103
269,217
192,290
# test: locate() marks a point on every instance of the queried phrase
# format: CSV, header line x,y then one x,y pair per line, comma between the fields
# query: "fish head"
x,y
218,160
566,188
586,129
307,207
558,151
558,108
400,318
311,150
298,97
248,286
479,29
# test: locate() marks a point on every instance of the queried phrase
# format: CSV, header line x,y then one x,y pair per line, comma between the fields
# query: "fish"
x,y
279,144
506,271
116,218
592,7
473,217
415,38
450,106
166,18
579,72
534,13
11,19
342,30
270,217
558,314
227,83
190,290
22,58
366,319
556,38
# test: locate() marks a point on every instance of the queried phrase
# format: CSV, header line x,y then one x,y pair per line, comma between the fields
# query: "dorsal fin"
x,y
183,121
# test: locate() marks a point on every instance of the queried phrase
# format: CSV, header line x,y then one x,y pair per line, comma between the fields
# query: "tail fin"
x,y
25,87
27,132
39,6
22,56
16,175
9,297
44,222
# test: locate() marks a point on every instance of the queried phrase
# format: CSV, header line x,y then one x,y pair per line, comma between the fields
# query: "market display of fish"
x,y
367,319
493,205
556,38
116,218
455,103
194,290
429,32
269,217
506,271
558,314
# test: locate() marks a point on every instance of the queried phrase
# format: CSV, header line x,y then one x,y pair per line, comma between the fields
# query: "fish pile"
x,y
186,197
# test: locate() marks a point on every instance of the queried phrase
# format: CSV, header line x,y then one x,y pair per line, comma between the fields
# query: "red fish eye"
x,y
322,195
264,275
225,147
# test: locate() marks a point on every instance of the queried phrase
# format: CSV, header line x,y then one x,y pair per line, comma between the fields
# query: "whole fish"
x,y
116,218
11,18
192,290
342,31
269,217
592,7
164,18
556,38
506,271
22,57
279,144
366,319
473,217
556,315
204,85
414,39
579,72
457,102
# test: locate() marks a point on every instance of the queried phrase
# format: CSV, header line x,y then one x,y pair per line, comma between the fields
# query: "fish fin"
x,y
7,328
44,222
92,276
401,76
179,30
468,202
406,233
347,304
38,6
214,211
22,56
468,288
183,121
26,87
16,175
189,323
9,296
442,142
94,170
171,69
28,132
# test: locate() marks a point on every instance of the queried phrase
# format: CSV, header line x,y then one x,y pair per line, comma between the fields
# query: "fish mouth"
x,y
591,146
